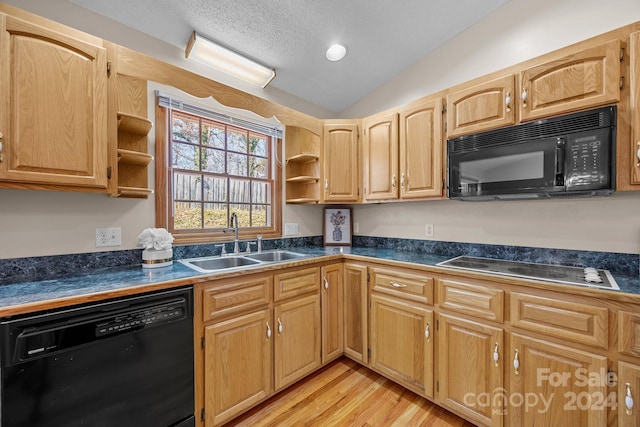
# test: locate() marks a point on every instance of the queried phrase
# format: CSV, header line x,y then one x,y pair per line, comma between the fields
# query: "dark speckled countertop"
x,y
103,283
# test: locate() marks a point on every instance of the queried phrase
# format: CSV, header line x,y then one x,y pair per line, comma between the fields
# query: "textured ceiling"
x,y
383,37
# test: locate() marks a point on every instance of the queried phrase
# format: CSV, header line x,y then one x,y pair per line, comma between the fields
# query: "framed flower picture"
x,y
337,226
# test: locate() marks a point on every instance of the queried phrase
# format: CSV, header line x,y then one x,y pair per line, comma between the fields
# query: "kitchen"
x,y
52,223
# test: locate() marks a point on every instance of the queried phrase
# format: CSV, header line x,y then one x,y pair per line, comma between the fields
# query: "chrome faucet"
x,y
234,227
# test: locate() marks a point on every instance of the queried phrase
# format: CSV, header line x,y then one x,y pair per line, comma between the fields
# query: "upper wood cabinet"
x,y
630,157
586,78
53,120
340,171
481,107
380,157
302,148
421,147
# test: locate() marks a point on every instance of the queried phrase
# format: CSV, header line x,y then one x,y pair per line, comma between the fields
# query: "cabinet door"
x,y
481,107
297,343
585,79
566,387
237,371
631,156
340,163
401,342
628,392
355,312
421,147
380,153
332,312
469,378
54,114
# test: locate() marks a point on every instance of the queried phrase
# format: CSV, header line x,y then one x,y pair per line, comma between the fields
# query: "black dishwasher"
x,y
121,362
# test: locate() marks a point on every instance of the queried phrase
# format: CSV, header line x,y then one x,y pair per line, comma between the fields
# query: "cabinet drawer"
x,y
629,333
403,283
295,283
472,299
224,299
570,320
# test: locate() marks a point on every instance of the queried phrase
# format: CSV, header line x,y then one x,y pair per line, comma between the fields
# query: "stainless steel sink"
x,y
211,264
275,256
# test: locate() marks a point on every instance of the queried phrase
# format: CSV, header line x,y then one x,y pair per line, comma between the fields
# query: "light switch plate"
x,y
291,229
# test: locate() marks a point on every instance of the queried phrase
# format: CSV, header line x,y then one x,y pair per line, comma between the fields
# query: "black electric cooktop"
x,y
591,277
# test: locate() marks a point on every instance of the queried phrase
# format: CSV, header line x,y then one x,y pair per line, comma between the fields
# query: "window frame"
x,y
164,199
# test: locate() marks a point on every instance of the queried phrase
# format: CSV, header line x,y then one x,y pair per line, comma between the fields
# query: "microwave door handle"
x,y
560,149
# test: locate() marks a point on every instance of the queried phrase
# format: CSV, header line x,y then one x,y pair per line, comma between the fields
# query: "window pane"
x,y
258,145
236,164
257,167
187,216
215,189
186,186
213,135
259,216
243,212
215,215
185,128
239,191
260,192
212,160
237,141
184,156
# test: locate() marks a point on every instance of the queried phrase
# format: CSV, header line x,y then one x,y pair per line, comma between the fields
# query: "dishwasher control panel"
x,y
142,318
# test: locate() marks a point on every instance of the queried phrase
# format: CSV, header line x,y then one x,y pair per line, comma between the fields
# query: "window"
x,y
216,167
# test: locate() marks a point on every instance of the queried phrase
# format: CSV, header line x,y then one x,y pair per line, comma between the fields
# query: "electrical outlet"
x,y
428,230
291,229
111,236
356,227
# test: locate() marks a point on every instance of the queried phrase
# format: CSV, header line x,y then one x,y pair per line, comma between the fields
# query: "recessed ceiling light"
x,y
336,52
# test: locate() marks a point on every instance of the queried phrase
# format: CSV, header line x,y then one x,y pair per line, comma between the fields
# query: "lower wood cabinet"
x,y
470,369
355,312
331,301
401,342
297,339
628,394
238,363
556,385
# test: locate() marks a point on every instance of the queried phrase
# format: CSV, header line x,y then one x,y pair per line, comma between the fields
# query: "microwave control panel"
x,y
587,160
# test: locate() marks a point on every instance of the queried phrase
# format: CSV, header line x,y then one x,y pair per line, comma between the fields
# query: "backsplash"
x,y
17,270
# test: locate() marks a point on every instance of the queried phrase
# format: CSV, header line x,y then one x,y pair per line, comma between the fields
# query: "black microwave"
x,y
569,155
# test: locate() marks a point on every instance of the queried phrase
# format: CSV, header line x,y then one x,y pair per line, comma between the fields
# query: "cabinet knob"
x,y
326,184
637,153
1,156
507,100
628,400
397,285
427,331
402,180
393,181
516,363
326,283
496,355
268,331
524,97
280,328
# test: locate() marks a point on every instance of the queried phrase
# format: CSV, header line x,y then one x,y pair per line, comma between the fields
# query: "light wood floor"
x,y
348,394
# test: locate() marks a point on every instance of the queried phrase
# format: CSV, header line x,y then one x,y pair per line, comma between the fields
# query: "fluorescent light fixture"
x,y
213,55
336,52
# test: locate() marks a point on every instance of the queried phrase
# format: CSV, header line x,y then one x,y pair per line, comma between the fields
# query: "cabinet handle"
x,y
637,153
393,181
516,362
326,283
1,157
326,184
507,100
268,331
524,97
427,332
628,400
398,285
402,180
279,326
496,355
